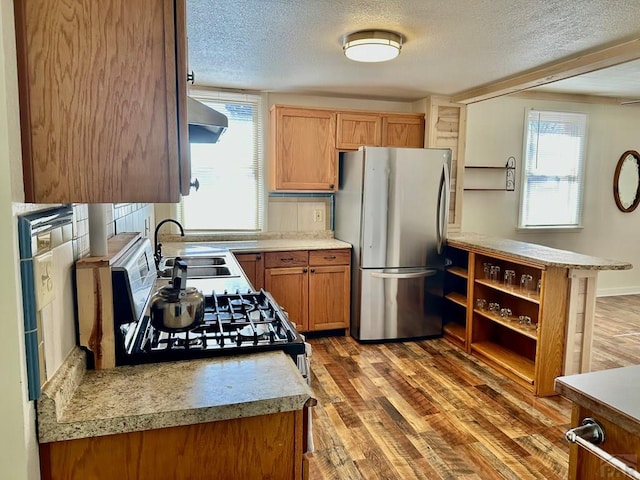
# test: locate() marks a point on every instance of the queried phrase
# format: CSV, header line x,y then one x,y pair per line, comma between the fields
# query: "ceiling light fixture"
x,y
372,45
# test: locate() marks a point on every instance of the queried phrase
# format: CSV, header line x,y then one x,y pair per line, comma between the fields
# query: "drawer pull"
x,y
588,436
330,257
287,259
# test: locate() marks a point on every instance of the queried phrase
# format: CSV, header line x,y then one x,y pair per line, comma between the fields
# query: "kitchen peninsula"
x,y
609,397
532,334
150,421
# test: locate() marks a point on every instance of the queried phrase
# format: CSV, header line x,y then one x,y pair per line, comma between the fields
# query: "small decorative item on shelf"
x,y
510,185
494,307
481,304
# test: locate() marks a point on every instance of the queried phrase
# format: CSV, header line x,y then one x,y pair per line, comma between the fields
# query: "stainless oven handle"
x,y
413,274
588,436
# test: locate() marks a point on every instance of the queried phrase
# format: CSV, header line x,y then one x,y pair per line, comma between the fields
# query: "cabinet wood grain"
x,y
98,100
267,446
312,286
403,131
303,149
356,129
253,266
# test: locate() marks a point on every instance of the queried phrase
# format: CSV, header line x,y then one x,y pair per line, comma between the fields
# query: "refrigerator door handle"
x,y
443,214
412,274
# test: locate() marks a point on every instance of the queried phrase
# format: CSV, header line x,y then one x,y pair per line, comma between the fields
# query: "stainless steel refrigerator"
x,y
392,205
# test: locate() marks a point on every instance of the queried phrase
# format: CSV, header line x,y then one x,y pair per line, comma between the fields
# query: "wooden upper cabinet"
x,y
99,99
303,149
403,131
356,129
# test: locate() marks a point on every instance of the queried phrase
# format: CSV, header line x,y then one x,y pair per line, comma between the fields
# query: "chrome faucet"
x,y
157,255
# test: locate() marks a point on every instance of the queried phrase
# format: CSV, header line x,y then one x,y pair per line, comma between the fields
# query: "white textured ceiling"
x,y
450,45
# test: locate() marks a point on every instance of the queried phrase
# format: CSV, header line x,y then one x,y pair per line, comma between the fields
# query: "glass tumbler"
x,y
486,267
494,273
494,307
526,283
525,321
509,278
481,304
505,313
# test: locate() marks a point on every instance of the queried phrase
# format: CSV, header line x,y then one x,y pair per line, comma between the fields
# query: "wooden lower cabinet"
x,y
253,266
312,286
530,354
619,442
266,446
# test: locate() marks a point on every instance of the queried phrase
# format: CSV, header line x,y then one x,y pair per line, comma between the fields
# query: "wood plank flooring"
x,y
426,410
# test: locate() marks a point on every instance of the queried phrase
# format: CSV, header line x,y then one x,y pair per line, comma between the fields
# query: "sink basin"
x,y
201,271
198,261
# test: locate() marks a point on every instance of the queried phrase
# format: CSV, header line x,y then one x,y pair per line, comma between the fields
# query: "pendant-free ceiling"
x,y
372,45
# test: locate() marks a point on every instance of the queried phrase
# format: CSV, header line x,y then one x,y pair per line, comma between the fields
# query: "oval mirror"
x,y
626,181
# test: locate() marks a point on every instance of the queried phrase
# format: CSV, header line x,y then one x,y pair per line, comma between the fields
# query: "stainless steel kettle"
x,y
176,307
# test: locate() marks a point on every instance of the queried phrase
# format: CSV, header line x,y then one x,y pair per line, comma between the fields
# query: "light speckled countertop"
x,y
173,246
551,257
613,394
79,403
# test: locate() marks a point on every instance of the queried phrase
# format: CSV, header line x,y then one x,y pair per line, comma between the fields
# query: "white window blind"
x,y
553,170
231,194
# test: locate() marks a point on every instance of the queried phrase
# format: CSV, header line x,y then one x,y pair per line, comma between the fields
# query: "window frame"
x,y
206,95
578,226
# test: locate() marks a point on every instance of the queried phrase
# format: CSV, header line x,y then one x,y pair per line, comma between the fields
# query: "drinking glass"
x,y
494,273
506,313
525,321
509,278
481,304
526,283
486,267
494,307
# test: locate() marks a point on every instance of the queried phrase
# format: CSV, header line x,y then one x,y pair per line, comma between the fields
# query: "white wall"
x,y
18,447
495,132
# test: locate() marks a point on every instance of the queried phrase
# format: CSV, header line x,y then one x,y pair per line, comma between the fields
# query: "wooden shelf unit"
x,y
533,357
457,301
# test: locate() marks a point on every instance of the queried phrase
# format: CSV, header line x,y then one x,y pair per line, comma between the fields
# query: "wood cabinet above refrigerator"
x,y
101,98
379,130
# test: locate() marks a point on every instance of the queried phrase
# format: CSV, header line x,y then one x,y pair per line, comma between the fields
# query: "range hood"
x,y
205,124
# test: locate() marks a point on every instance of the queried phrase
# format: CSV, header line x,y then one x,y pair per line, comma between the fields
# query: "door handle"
x,y
414,274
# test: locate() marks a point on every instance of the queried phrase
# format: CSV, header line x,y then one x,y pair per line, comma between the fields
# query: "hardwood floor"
x,y
426,410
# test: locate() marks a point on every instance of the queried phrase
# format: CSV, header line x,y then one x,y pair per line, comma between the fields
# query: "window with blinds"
x,y
553,170
231,194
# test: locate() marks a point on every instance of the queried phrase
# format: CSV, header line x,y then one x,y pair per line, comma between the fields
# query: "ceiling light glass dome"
x,y
372,45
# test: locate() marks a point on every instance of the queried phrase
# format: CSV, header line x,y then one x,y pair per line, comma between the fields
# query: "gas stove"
x,y
233,323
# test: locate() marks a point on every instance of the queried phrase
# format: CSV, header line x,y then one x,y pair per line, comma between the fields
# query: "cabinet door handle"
x,y
259,257
304,270
313,270
331,185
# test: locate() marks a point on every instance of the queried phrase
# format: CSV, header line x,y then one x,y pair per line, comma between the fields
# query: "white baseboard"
x,y
611,292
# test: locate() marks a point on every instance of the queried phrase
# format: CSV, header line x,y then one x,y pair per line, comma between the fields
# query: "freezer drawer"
x,y
398,303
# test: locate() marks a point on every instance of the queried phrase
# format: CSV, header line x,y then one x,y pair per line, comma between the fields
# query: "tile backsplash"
x,y
50,325
300,212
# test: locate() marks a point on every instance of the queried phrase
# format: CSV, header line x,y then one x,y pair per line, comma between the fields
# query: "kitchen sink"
x,y
200,271
198,261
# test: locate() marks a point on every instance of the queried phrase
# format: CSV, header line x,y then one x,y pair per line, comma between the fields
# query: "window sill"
x,y
576,229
